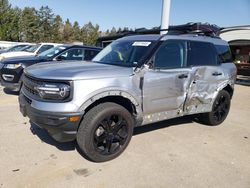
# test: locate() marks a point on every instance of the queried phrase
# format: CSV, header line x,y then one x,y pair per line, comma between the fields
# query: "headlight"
x,y
1,57
12,66
53,91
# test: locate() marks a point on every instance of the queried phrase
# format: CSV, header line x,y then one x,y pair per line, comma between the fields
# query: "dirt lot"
x,y
175,153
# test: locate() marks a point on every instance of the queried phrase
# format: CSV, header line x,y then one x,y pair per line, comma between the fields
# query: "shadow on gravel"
x,y
68,146
164,124
10,92
45,137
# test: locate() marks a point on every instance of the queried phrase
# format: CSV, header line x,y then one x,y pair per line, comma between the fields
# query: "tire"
x,y
220,109
105,132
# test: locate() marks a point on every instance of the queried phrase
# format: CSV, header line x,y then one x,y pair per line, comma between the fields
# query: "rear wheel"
x,y
219,111
105,132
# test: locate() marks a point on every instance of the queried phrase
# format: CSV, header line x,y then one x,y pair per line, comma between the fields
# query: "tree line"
x,y
42,25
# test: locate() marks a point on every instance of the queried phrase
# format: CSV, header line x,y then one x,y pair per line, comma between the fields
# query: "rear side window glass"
x,y
202,53
44,48
90,54
171,54
224,53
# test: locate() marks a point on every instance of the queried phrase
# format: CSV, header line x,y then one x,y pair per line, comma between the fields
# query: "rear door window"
x,y
201,53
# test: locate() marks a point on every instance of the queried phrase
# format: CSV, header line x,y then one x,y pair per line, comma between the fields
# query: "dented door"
x,y
205,81
165,85
165,90
206,77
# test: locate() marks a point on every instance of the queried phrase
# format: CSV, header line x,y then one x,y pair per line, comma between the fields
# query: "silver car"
x,y
136,80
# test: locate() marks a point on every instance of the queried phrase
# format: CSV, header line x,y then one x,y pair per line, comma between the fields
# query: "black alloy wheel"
x,y
105,132
111,134
220,109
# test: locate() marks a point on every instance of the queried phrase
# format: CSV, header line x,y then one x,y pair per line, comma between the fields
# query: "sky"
x,y
145,13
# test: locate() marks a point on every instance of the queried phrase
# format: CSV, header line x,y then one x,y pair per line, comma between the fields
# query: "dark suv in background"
x,y
11,69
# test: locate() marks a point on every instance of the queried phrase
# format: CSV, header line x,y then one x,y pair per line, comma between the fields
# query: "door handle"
x,y
182,76
217,74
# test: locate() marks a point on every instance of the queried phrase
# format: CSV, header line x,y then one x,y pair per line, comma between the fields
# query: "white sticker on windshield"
x,y
141,43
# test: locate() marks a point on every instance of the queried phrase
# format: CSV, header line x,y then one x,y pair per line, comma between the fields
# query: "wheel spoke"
x,y
108,145
216,115
101,138
105,125
111,134
219,116
119,125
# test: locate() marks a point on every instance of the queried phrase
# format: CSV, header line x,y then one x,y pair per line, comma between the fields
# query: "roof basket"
x,y
195,28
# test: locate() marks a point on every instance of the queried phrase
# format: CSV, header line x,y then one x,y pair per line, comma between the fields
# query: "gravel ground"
x,y
174,153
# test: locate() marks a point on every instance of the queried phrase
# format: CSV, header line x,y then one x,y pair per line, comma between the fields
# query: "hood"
x,y
15,54
76,70
20,59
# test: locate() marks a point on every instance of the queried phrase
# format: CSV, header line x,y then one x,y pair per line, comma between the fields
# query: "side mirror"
x,y
60,58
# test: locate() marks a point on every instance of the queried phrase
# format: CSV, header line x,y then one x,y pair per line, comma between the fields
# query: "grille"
x,y
29,84
32,91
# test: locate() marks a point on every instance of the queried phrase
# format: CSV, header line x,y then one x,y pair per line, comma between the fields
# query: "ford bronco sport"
x,y
136,80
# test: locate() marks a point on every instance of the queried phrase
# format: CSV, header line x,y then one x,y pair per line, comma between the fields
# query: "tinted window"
x,y
44,48
224,53
171,54
201,53
72,54
90,54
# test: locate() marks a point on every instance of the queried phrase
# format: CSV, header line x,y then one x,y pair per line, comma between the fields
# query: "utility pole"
x,y
165,15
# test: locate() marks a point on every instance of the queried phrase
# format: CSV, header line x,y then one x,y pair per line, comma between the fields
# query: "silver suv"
x,y
136,80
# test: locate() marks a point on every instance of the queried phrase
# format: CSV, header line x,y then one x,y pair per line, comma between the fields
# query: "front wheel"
x,y
219,111
105,132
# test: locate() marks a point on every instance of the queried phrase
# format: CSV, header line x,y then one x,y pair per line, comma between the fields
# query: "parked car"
x,y
32,51
19,47
137,80
12,68
243,68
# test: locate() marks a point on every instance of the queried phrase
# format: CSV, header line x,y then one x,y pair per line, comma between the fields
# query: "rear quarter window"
x,y
224,53
202,53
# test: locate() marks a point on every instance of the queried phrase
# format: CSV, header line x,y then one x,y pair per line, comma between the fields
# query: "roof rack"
x,y
198,28
205,29
202,29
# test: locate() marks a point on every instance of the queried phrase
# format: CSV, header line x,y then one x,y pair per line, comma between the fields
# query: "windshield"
x,y
52,51
123,53
16,48
25,47
32,48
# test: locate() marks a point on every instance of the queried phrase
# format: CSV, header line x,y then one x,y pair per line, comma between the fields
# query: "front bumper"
x,y
56,123
11,78
10,85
